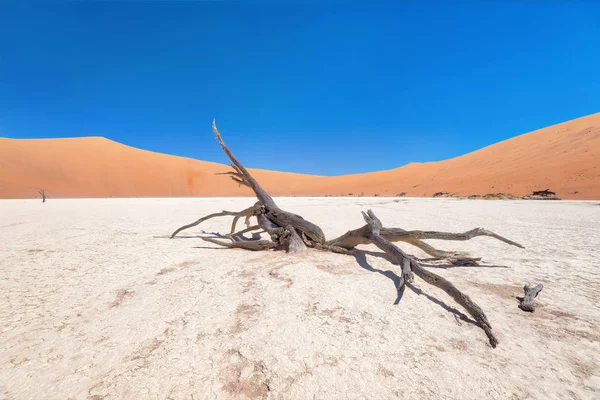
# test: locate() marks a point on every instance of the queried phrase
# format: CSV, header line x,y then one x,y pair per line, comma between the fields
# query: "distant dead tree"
x,y
292,233
42,193
546,194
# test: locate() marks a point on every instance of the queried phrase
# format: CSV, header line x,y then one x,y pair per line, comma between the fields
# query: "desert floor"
x,y
97,303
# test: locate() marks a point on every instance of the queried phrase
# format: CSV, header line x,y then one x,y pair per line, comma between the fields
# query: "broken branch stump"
x,y
531,293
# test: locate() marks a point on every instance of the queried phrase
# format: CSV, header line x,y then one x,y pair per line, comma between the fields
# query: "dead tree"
x,y
292,233
42,193
237,215
545,194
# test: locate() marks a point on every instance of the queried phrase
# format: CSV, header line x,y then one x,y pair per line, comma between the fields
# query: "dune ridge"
x,y
564,158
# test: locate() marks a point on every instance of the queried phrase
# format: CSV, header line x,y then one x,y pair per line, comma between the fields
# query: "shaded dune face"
x,y
564,158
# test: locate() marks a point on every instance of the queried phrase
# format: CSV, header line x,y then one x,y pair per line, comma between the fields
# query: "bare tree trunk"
x,y
275,214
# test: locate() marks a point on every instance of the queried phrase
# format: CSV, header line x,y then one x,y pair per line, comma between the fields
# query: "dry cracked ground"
x,y
97,303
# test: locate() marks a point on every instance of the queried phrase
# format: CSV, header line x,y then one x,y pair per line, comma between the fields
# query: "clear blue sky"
x,y
324,87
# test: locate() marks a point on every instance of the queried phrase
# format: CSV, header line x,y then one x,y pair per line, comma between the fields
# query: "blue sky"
x,y
323,87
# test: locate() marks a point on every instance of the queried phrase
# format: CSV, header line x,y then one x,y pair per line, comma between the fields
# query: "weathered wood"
x,y
235,176
464,261
531,293
254,245
293,241
388,247
260,193
333,249
42,193
406,261
459,297
293,233
248,229
247,211
407,275
363,236
278,216
268,226
353,238
284,218
286,237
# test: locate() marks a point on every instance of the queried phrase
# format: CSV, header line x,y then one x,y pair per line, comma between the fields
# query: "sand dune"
x,y
563,157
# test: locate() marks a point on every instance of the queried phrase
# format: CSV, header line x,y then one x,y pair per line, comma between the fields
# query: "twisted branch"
x,y
244,213
409,263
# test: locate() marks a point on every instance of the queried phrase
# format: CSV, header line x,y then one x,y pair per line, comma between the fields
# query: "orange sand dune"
x,y
564,158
